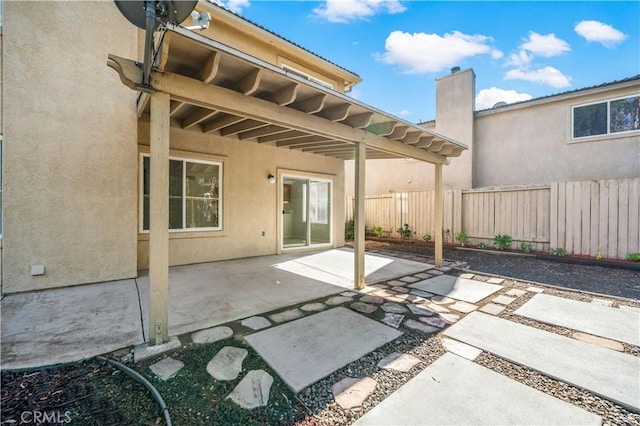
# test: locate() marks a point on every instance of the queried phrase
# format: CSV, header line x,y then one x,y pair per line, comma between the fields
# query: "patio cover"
x,y
202,85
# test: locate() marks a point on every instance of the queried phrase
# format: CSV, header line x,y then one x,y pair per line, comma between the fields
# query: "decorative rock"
x,y
313,307
255,323
420,310
503,300
421,293
399,362
167,368
442,300
535,289
602,302
227,363
383,293
211,335
396,298
463,307
516,292
495,281
351,393
338,300
415,299
434,321
289,315
605,343
450,318
467,276
437,308
349,294
410,279
378,300
364,307
461,349
492,308
393,320
253,390
393,308
416,325
400,289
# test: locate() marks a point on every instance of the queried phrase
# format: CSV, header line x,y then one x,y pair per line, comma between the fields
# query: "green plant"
x,y
349,229
482,245
404,232
634,257
378,230
462,237
502,241
558,251
526,246
426,237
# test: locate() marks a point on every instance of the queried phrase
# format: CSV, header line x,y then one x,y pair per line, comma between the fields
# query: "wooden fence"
x,y
581,217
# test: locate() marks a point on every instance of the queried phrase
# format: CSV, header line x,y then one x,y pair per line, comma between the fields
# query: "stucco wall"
x,y
250,203
70,152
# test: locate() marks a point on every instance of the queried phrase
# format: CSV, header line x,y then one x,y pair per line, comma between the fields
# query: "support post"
x,y
358,215
159,219
438,215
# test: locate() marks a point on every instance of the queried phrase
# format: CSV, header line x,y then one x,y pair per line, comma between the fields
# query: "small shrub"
x,y
349,229
404,232
462,237
426,237
526,246
558,251
482,245
502,242
378,230
634,257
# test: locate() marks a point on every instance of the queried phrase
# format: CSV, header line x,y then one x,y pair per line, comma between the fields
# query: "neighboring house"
x,y
585,134
250,133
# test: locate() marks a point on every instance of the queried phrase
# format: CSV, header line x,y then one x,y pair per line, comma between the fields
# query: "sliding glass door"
x,y
306,212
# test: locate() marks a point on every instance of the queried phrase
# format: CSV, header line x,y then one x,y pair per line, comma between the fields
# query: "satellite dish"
x,y
499,104
148,15
174,11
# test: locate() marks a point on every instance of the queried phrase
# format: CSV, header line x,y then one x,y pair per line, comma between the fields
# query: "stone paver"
x,y
166,368
256,323
467,276
227,363
503,300
463,307
410,279
534,289
400,289
313,307
444,269
290,314
434,321
393,320
600,341
145,351
437,308
378,300
396,298
423,276
398,361
416,299
253,390
516,292
393,308
349,294
396,283
471,291
461,349
602,302
421,293
419,326
450,318
337,300
442,300
495,281
211,335
384,293
436,272
380,286
493,309
351,392
420,310
365,308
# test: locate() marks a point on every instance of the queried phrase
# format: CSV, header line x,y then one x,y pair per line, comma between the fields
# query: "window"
x,y
605,118
319,202
195,194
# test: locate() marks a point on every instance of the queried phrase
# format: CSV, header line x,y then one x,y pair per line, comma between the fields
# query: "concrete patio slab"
x,y
73,323
457,288
448,392
603,321
612,375
306,350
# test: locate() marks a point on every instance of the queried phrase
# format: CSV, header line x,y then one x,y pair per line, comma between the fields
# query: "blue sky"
x,y
518,50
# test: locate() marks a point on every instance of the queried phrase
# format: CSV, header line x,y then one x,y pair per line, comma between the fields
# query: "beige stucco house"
x,y
558,138
235,149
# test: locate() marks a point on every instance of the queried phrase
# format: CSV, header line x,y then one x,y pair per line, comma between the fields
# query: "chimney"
x,y
455,70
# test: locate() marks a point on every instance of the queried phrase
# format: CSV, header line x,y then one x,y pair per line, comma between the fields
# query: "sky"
x,y
518,49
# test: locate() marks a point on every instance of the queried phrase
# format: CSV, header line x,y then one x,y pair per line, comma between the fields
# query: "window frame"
x,y
184,160
609,133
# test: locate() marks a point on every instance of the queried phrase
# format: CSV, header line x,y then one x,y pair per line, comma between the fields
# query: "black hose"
x,y
139,378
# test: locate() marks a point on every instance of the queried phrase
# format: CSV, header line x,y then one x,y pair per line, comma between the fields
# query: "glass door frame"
x,y
289,174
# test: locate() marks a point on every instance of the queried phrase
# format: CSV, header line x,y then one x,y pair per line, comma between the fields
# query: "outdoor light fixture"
x,y
200,20
272,178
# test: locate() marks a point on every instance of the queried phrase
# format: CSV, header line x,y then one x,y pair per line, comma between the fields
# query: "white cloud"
x,y
496,54
404,113
545,45
595,31
423,53
487,98
521,59
233,5
547,75
343,11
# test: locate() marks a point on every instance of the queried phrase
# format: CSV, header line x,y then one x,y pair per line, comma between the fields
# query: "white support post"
x,y
358,215
438,215
159,220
